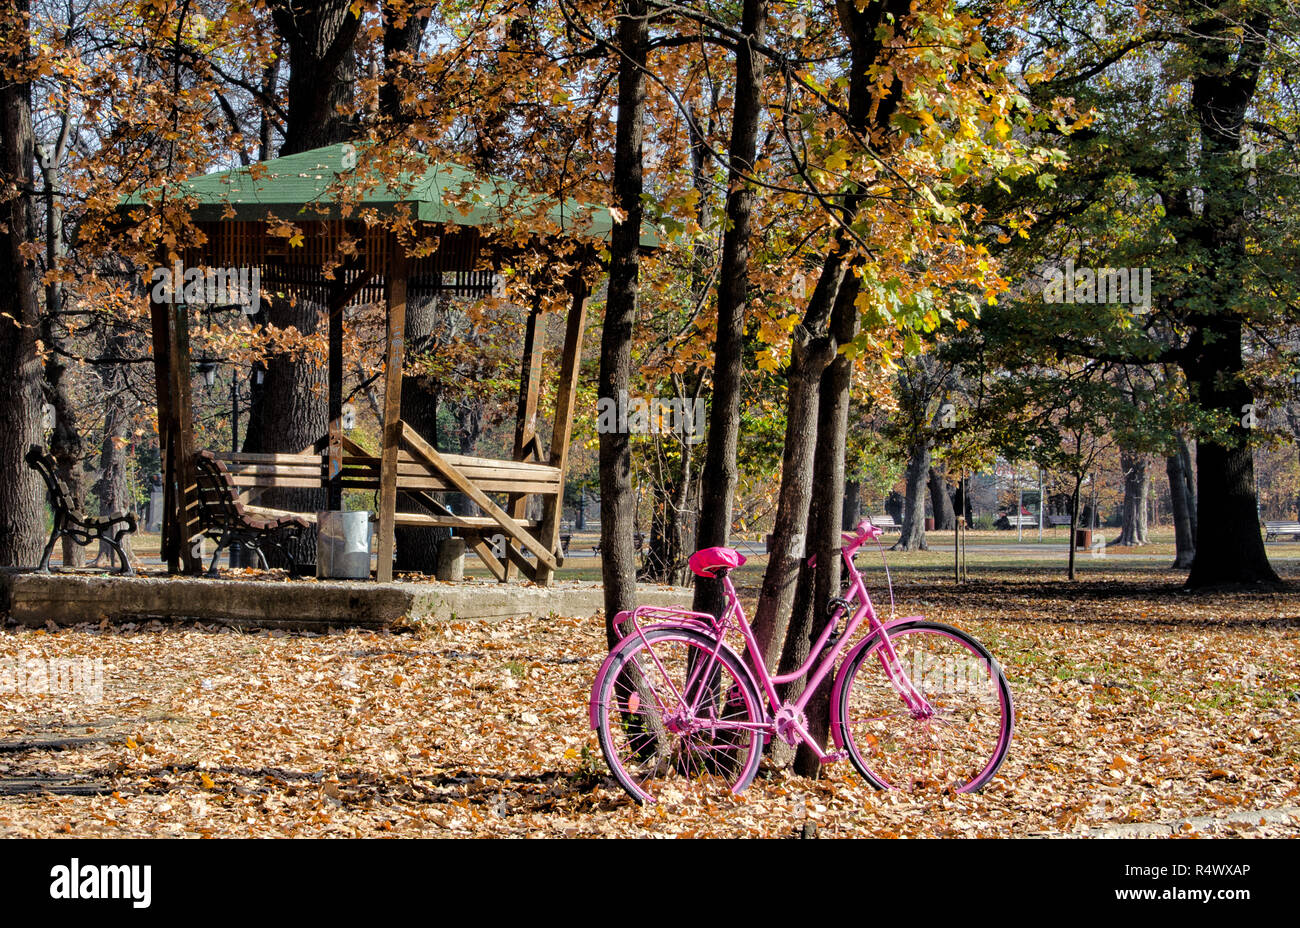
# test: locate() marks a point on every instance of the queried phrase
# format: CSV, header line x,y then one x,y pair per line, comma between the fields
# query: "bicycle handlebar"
x,y
855,539
864,532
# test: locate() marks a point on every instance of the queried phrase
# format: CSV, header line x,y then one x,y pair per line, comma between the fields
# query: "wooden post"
x,y
160,320
334,479
530,382
566,394
395,297
185,504
344,293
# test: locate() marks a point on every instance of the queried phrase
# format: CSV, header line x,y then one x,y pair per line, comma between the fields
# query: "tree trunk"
x,y
1229,545
1183,503
824,525
945,516
22,532
417,546
1074,522
401,48
286,411
665,560
617,501
810,356
912,537
112,489
65,443
867,29
1133,526
852,509
719,479
322,70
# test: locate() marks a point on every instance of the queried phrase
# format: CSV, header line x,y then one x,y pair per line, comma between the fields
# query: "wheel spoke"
x,y
710,737
959,745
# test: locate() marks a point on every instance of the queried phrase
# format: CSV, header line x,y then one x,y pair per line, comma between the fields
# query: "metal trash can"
x,y
343,545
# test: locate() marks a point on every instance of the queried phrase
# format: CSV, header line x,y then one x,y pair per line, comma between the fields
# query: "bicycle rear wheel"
x,y
960,745
674,721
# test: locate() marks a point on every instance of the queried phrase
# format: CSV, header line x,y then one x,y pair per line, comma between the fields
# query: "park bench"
x,y
423,472
1013,522
223,518
885,522
1274,529
1057,521
71,522
638,539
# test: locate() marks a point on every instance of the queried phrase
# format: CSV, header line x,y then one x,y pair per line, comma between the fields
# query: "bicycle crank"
x,y
789,721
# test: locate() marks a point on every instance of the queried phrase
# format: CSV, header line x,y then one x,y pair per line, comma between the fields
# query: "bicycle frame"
x,y
784,719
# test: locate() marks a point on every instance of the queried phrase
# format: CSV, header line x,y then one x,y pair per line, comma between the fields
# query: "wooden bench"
x,y
1013,522
1057,521
885,522
71,522
419,477
227,521
1274,529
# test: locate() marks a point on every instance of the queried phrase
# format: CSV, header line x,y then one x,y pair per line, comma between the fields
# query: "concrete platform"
x,y
66,599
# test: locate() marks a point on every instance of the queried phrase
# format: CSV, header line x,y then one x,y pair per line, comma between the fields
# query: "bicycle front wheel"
x,y
674,720
956,739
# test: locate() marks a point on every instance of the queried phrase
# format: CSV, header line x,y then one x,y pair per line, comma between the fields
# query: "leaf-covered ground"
x,y
1135,703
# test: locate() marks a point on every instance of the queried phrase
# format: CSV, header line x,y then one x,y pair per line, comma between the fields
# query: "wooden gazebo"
x,y
342,216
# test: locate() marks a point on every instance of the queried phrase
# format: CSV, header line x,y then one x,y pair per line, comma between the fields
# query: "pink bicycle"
x,y
915,703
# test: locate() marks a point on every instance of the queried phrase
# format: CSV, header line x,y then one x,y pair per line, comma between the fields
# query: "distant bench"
x,y
1057,521
885,522
1009,522
638,539
1274,529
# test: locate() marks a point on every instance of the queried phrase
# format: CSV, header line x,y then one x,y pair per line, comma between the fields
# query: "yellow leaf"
x,y
207,781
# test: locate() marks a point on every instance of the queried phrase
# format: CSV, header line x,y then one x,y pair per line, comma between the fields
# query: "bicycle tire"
x,y
654,745
974,721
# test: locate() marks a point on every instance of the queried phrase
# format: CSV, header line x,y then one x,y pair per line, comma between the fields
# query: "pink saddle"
x,y
703,563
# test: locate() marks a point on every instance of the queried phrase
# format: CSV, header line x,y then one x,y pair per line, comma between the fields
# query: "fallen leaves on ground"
x,y
1135,703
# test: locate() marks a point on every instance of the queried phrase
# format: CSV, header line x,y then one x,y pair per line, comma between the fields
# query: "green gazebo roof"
x,y
311,184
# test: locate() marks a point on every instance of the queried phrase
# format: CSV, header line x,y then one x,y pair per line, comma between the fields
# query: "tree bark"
x,y
945,516
718,484
811,353
22,534
65,444
814,346
852,509
1229,545
112,489
1133,526
401,48
617,501
824,525
322,70
286,411
912,537
1183,502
